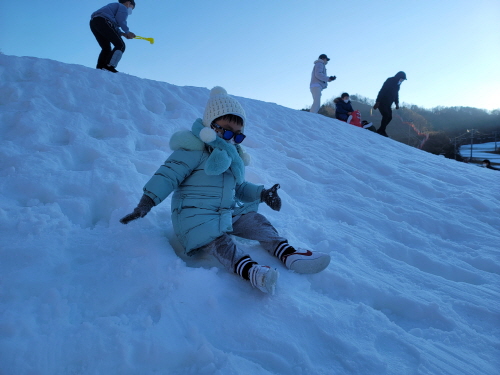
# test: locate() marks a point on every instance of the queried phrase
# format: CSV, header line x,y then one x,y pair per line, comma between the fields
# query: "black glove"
x,y
333,78
271,198
144,206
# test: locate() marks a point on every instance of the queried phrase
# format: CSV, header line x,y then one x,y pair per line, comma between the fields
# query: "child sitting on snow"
x,y
345,112
212,201
343,107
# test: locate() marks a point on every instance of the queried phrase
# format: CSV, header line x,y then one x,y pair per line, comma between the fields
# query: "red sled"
x,y
355,119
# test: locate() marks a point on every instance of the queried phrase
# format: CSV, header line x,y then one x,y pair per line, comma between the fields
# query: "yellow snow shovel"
x,y
150,40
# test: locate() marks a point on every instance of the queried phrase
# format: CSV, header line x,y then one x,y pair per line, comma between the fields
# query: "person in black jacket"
x,y
388,94
487,164
343,107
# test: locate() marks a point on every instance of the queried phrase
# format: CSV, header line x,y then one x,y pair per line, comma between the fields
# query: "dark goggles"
x,y
228,134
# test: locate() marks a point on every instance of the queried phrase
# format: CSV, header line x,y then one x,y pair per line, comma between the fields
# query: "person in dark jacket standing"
x,y
388,94
105,24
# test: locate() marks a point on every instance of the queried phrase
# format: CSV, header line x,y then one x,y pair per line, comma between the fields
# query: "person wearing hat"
x,y
211,200
105,24
388,94
319,81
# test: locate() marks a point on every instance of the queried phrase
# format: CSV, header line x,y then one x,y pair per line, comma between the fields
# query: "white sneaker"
x,y
305,261
263,278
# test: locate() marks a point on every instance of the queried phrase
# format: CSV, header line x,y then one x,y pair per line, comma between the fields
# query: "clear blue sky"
x,y
265,49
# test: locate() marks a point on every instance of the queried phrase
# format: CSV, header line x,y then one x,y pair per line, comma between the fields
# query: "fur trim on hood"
x,y
224,155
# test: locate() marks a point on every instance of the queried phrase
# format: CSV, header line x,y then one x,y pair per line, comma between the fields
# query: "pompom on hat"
x,y
220,104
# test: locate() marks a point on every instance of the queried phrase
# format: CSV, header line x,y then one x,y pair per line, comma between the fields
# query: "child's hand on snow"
x,y
144,206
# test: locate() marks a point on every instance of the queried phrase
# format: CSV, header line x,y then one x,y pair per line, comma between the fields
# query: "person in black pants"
x,y
105,24
388,94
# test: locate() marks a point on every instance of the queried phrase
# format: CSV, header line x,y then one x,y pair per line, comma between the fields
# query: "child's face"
x,y
228,125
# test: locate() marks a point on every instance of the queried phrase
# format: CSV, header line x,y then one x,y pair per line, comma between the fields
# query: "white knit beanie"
x,y
220,104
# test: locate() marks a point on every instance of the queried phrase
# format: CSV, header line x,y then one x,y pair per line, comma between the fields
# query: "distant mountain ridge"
x,y
441,124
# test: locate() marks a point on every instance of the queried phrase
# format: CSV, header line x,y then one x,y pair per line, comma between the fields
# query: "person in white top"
x,y
319,81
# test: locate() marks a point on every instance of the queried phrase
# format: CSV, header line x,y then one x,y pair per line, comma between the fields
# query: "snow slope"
x,y
413,286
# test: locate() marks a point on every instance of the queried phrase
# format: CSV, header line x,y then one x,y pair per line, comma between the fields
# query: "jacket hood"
x,y
223,156
319,61
339,99
400,75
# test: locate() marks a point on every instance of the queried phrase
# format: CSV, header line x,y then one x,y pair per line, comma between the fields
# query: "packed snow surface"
x,y
413,286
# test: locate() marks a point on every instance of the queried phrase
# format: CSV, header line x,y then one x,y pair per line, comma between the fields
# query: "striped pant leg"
x,y
254,226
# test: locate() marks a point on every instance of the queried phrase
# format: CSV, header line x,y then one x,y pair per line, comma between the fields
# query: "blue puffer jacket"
x,y
206,175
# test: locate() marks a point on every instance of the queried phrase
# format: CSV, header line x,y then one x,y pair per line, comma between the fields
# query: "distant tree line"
x,y
440,130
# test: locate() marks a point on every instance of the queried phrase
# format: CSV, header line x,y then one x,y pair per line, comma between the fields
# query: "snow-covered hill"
x,y
413,286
